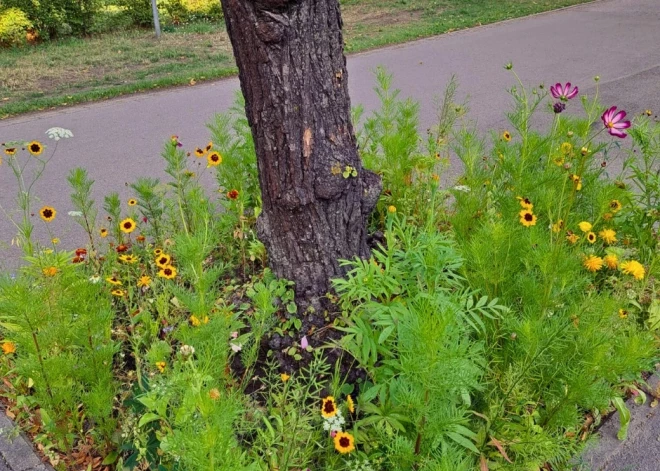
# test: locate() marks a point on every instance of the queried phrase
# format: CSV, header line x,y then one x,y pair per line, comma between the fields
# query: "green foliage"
x,y
14,26
473,336
57,17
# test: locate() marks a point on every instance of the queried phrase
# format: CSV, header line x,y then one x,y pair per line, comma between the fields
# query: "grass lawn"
x,y
72,71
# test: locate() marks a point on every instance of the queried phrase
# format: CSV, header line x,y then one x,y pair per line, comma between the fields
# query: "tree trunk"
x,y
293,75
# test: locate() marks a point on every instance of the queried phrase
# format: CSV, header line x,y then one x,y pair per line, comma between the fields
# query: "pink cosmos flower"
x,y
563,93
614,122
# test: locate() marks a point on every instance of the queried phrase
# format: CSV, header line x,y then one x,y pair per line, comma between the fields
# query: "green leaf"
x,y
147,418
461,440
110,458
624,418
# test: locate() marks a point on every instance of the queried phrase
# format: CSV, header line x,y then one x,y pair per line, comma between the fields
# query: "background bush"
x,y
57,17
14,26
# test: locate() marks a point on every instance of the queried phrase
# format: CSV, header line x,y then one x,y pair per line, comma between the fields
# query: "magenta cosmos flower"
x,y
614,122
563,93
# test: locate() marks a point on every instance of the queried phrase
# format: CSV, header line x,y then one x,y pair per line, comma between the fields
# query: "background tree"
x,y
316,195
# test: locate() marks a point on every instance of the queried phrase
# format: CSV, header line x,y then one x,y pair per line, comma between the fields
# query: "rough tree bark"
x,y
293,75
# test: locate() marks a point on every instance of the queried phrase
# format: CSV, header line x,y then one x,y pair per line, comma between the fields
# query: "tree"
x,y
316,195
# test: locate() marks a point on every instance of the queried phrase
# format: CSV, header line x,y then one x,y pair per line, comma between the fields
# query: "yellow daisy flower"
x,y
591,237
350,404
132,202
328,407
572,237
527,218
35,148
103,233
144,281
585,226
593,263
525,203
344,442
113,280
8,347
118,292
615,206
612,261
163,260
506,135
608,235
566,148
128,259
167,272
161,366
213,159
47,213
127,225
633,268
285,377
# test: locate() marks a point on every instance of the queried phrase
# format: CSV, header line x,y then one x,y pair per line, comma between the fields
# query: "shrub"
x,y
14,26
58,17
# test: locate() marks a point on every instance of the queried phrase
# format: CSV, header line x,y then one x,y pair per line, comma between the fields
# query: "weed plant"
x,y
494,324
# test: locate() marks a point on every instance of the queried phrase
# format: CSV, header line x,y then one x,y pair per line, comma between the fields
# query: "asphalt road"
x,y
121,139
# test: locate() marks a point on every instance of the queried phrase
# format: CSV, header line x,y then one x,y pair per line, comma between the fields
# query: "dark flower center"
x,y
35,147
528,217
47,213
168,272
328,407
344,442
128,225
163,260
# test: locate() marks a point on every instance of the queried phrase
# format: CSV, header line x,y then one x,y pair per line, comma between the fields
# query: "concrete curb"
x,y
640,451
16,451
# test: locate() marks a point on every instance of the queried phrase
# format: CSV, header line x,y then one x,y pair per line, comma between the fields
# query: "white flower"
x,y
186,350
236,347
59,133
94,279
75,214
463,188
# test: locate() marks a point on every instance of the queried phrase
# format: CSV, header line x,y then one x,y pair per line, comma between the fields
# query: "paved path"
x,y
121,139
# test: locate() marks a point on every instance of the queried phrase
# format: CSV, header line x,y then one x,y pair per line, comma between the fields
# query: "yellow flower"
x,y
113,280
132,202
527,218
612,261
435,177
608,235
328,407
525,203
158,252
213,159
118,292
47,213
615,206
558,226
391,209
10,150
199,153
648,112
194,320
208,147
593,263
127,226
285,377
144,281
633,268
566,148
167,272
558,161
103,233
506,135
344,442
350,404
591,237
572,237
8,347
163,260
584,151
128,259
214,394
577,181
35,148
623,314
161,366
50,271
585,226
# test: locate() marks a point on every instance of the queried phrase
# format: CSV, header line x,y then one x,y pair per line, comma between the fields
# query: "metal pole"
x,y
154,8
